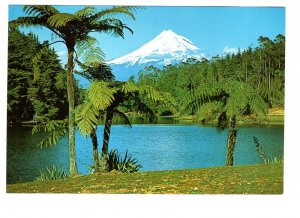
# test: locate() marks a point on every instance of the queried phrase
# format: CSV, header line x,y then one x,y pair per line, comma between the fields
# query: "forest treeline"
x,y
36,81
261,67
39,93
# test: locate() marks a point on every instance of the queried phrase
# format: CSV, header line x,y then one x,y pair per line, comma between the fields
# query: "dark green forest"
x,y
261,68
37,81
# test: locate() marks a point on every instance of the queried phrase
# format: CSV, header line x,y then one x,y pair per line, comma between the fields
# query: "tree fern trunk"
x,y
106,136
231,141
93,136
71,94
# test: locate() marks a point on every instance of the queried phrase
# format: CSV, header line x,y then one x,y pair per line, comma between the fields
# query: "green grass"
x,y
252,179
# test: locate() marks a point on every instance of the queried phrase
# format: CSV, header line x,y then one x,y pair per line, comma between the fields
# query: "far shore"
x,y
275,116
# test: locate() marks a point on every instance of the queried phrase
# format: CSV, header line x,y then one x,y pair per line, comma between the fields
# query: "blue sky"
x,y
212,29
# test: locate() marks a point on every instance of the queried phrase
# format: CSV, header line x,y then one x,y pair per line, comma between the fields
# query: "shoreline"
x,y
273,120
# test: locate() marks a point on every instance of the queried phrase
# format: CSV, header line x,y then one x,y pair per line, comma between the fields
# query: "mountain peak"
x,y
166,48
167,33
167,42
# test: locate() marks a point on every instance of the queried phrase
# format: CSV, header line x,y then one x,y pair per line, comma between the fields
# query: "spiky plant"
x,y
54,173
225,101
74,31
128,164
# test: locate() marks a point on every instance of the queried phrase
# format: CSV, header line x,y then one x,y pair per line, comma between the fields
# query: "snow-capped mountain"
x,y
166,48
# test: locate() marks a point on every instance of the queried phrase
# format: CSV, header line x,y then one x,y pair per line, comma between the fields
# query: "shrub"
x,y
125,165
54,173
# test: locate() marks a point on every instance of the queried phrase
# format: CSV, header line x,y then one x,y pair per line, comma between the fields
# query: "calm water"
x,y
156,147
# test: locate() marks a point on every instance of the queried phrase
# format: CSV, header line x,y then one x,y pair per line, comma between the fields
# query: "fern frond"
x,y
61,19
26,22
150,93
145,110
257,104
51,139
100,94
86,12
237,101
129,87
168,100
117,10
55,130
95,71
111,26
86,117
201,95
235,97
40,10
88,51
210,111
121,118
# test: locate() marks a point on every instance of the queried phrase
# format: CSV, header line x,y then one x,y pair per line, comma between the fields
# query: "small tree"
x,y
95,72
105,98
225,102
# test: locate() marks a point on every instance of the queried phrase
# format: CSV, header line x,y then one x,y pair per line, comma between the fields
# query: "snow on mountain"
x,y
166,48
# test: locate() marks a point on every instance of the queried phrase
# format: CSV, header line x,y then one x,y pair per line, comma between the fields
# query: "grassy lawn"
x,y
252,179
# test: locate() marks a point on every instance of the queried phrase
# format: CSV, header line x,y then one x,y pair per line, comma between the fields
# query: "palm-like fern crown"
x,y
225,98
74,28
102,96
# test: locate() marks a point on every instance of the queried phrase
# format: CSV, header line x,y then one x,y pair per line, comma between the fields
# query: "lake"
x,y
156,147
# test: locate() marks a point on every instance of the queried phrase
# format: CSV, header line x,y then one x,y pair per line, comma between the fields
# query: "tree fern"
x,y
54,129
236,97
202,94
